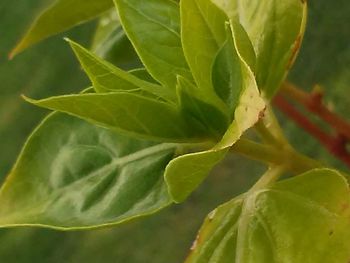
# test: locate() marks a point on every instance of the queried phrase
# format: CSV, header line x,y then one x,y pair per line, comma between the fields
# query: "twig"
x,y
336,145
313,102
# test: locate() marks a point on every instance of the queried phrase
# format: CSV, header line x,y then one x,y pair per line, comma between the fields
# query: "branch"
x,y
313,102
335,144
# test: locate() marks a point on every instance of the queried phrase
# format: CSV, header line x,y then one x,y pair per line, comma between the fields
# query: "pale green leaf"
x,y
305,219
73,175
276,29
243,44
153,27
128,113
58,16
203,34
106,77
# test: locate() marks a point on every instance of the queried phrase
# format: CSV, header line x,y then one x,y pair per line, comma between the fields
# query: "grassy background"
x,y
50,68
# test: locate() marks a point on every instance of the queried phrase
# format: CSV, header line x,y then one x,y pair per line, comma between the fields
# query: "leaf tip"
x,y
27,99
15,51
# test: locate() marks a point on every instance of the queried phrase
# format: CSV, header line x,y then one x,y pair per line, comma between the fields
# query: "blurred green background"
x,y
50,68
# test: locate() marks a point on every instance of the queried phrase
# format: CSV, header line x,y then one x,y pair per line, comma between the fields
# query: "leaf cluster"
x,y
142,139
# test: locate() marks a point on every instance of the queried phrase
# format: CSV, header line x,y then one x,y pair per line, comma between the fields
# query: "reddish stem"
x,y
336,145
314,103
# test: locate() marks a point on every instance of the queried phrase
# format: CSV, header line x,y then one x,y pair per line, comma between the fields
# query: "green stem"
x,y
272,155
269,129
265,133
269,177
256,151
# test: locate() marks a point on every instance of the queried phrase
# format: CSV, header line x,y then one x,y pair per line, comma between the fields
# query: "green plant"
x,y
210,76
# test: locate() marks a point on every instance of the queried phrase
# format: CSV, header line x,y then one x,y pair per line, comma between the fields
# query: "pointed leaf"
x,y
72,174
227,73
153,27
128,113
59,16
203,34
105,77
301,220
276,29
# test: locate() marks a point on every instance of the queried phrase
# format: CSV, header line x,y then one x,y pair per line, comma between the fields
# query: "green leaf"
x,y
128,113
143,74
198,109
276,29
227,74
59,16
111,43
203,34
185,173
153,27
243,44
301,220
105,77
108,29
72,175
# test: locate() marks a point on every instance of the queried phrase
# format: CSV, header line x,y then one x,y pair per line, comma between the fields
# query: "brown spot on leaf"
x,y
344,207
262,113
296,47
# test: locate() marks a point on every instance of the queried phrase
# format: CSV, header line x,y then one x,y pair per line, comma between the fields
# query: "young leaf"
x,y
198,109
301,220
185,173
153,27
58,16
128,113
276,30
73,175
203,34
105,77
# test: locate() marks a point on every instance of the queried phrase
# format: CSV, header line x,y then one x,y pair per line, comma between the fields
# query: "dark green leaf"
x,y
196,107
153,27
72,175
301,220
58,16
111,43
107,33
143,74
227,74
128,113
